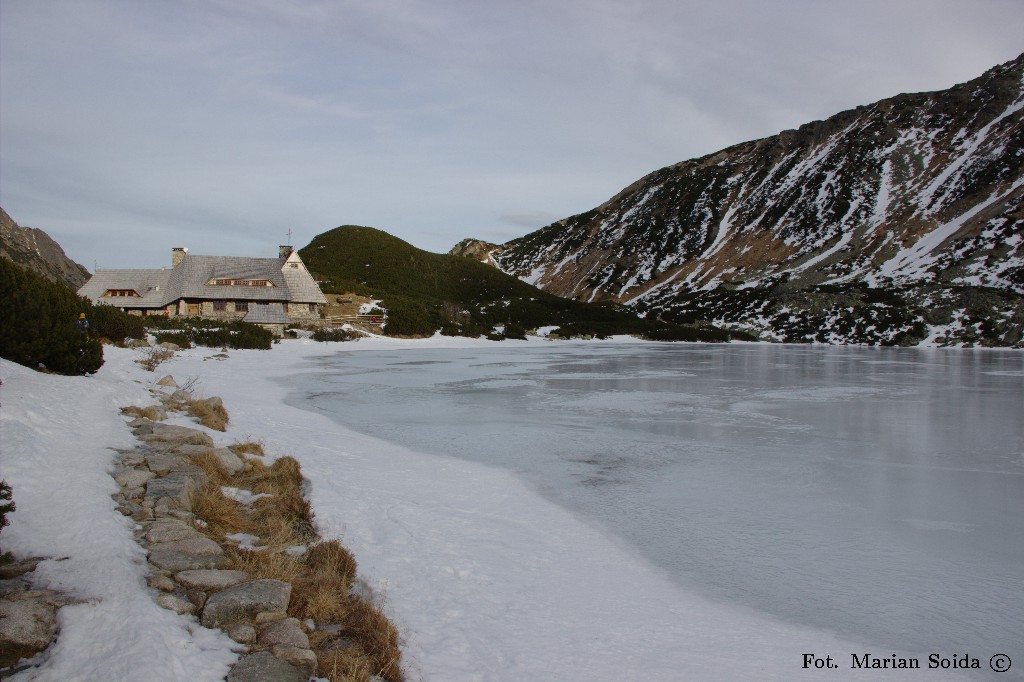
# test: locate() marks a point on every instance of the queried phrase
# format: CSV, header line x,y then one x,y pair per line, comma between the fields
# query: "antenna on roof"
x,y
289,236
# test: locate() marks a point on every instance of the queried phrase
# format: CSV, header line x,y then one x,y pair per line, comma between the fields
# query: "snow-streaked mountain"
x,y
920,194
34,249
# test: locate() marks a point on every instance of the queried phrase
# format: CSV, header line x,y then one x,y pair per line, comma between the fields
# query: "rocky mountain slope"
x,y
890,223
34,249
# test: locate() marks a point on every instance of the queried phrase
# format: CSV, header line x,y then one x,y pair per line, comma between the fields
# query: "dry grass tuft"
x,y
221,514
322,592
348,664
248,448
265,564
210,465
153,412
152,357
366,623
209,412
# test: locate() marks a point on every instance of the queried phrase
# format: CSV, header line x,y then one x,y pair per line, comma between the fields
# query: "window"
x,y
241,282
242,306
122,292
220,306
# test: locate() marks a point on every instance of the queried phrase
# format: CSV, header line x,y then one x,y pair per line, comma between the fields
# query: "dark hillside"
x,y
424,292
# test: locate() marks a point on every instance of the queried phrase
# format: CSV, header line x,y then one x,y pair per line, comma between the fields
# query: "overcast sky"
x,y
130,127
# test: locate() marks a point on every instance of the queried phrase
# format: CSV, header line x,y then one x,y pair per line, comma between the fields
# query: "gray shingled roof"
x,y
191,280
151,285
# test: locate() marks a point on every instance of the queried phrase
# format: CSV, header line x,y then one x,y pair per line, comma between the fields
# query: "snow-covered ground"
x,y
485,579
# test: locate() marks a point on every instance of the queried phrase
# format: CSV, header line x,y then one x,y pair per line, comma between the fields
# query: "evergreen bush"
x,y
114,325
38,323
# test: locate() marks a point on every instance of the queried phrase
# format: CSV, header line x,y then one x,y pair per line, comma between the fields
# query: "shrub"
x,y
38,323
108,322
333,334
179,339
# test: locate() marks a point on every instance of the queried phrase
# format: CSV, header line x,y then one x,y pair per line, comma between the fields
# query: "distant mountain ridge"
x,y
920,194
34,249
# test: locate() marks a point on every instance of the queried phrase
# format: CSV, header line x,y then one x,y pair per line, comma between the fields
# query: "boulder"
x,y
175,562
161,582
197,544
167,380
211,580
228,461
138,343
175,488
170,530
133,478
297,656
242,633
190,450
242,602
9,586
175,603
27,626
287,631
162,464
263,666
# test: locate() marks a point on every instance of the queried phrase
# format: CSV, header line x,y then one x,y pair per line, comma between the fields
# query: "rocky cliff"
x,y
913,206
34,249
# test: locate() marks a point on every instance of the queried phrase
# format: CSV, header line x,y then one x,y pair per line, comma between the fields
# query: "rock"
x,y
161,464
176,604
229,462
176,486
133,458
297,656
197,597
211,580
287,631
134,493
161,582
198,544
242,602
181,396
138,343
141,427
167,380
167,345
264,617
242,633
263,666
175,562
27,627
133,478
170,530
12,585
20,567
178,435
190,450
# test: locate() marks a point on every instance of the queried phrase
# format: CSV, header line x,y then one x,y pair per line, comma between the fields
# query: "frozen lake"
x,y
874,493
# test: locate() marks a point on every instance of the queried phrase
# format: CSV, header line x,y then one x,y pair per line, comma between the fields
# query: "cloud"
x,y
127,125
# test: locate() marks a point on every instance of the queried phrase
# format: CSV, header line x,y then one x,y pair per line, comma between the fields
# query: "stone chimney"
x,y
284,251
177,255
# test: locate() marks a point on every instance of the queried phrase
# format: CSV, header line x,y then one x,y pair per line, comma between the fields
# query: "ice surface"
x,y
867,492
574,511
